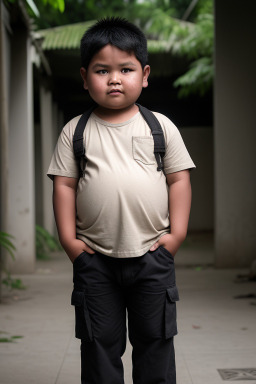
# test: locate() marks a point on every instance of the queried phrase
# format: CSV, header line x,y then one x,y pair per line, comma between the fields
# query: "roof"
x,y
63,37
69,36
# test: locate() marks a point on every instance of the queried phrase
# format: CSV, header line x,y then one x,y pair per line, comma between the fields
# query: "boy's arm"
x,y
179,209
64,206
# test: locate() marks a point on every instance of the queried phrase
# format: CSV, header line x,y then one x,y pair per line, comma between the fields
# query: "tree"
x,y
86,10
32,8
80,11
193,40
160,20
197,45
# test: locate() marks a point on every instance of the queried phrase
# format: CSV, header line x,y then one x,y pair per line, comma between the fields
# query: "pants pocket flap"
x,y
77,298
173,294
83,322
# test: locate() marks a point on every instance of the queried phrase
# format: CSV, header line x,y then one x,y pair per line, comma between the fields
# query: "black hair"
x,y
115,31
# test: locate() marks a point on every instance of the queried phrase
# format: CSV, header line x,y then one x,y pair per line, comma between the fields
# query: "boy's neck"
x,y
115,116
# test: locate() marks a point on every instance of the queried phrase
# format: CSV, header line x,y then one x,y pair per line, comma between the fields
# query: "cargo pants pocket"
x,y
172,296
83,327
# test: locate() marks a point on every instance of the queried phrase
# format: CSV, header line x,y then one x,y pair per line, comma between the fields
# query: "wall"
x,y
235,133
199,142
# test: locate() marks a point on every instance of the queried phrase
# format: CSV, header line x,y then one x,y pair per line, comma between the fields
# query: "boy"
x,y
122,222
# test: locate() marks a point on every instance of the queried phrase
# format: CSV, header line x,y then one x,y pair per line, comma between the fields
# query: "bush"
x,y
45,243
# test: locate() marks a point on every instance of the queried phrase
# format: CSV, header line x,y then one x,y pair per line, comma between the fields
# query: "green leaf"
x,y
9,339
6,243
45,243
33,7
61,5
12,283
198,79
5,340
16,337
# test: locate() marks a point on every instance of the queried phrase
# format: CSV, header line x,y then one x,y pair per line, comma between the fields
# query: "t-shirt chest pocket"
x,y
143,149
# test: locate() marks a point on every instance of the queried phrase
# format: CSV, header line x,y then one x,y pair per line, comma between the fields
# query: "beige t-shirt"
x,y
122,200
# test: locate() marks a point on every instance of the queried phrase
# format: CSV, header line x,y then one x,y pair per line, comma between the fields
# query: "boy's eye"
x,y
126,70
102,71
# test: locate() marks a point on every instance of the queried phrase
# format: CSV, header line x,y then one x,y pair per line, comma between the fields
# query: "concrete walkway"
x,y
216,330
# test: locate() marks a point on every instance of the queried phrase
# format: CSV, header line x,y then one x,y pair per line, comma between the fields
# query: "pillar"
x,y
21,212
47,137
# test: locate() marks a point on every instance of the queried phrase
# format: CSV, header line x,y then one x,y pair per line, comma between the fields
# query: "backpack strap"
x,y
153,123
78,141
157,133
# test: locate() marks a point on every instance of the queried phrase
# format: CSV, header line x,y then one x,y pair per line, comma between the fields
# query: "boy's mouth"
x,y
115,91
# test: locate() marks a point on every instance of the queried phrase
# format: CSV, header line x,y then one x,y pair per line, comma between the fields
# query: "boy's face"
x,y
115,78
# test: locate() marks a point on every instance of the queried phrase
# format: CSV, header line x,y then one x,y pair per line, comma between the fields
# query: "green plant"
x,y
191,39
45,243
32,7
12,283
197,46
8,339
7,244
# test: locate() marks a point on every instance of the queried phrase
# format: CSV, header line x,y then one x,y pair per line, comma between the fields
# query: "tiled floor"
x,y
216,330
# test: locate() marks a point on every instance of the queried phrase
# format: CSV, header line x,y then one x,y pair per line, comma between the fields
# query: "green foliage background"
x,y
192,39
85,10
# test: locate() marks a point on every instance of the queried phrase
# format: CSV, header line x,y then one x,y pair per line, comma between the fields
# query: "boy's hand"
x,y
75,247
64,204
169,242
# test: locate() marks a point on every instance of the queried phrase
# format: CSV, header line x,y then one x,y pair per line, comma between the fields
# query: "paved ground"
x,y
216,330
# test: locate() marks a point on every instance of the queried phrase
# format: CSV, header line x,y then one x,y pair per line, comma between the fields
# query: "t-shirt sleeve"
x,y
63,162
176,156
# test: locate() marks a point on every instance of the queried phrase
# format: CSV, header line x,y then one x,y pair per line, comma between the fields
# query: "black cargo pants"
x,y
104,289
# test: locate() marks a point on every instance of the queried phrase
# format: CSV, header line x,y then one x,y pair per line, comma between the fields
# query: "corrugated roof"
x,y
69,36
63,37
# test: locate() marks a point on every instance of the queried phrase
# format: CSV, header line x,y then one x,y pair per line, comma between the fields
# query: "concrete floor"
x,y
216,330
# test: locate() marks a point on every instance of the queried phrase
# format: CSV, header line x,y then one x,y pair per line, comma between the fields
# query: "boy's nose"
x,y
114,78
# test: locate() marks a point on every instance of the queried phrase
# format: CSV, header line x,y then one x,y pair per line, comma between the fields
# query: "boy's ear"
x,y
83,74
146,72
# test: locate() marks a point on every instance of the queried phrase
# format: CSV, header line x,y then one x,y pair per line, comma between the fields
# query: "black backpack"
x,y
153,123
